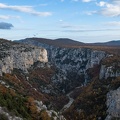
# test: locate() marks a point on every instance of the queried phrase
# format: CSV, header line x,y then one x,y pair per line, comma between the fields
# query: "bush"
x,y
3,117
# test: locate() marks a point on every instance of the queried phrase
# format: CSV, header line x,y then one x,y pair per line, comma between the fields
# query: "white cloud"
x,y
109,9
101,3
86,0
116,1
90,12
113,23
25,9
66,25
6,17
83,0
60,20
90,30
75,0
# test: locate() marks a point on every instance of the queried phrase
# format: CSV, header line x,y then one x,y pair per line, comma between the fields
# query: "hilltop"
x,y
110,47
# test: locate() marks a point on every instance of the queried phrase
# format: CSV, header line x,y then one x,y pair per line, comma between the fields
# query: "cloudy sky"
x,y
81,20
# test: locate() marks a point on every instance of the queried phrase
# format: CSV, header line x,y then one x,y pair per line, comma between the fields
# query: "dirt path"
x,y
71,100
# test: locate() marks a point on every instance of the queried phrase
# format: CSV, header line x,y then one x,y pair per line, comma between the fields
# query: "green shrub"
x,y
3,117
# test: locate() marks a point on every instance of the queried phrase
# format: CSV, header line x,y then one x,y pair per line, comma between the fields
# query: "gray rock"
x,y
113,104
69,61
21,57
109,71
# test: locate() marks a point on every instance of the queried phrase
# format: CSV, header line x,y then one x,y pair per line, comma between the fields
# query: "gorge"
x,y
48,72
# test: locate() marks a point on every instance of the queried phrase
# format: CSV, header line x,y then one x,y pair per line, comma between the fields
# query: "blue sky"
x,y
81,20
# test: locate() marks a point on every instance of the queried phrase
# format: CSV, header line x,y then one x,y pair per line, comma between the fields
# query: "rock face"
x,y
71,57
113,104
55,115
19,56
79,59
112,70
71,63
71,70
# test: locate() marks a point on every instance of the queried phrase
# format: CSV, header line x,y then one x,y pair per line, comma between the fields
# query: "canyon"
x,y
62,79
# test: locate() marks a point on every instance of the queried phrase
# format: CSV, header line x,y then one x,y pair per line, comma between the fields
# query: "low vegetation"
x,y
90,100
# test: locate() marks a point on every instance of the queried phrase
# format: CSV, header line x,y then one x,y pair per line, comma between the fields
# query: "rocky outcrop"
x,y
70,57
79,59
71,69
20,56
112,70
53,114
113,104
71,63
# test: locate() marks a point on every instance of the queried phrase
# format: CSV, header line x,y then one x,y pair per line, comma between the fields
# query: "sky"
x,y
81,20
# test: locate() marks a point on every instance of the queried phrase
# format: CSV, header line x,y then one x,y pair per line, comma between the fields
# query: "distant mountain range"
x,y
109,43
64,42
67,41
61,42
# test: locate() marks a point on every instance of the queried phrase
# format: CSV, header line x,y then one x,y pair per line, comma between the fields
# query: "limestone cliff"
x,y
71,57
71,63
71,72
106,72
110,67
13,55
113,104
79,59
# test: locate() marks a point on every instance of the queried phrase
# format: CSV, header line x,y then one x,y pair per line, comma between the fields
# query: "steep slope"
x,y
110,67
100,98
76,81
88,73
14,55
25,74
71,63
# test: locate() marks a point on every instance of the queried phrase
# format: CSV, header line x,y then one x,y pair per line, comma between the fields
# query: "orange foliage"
x,y
12,92
42,74
11,78
31,105
111,59
3,89
30,100
44,116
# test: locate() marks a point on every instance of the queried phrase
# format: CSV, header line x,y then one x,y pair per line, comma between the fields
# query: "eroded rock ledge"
x,y
19,56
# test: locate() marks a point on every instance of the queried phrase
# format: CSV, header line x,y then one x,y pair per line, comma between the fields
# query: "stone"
x,y
21,57
113,104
